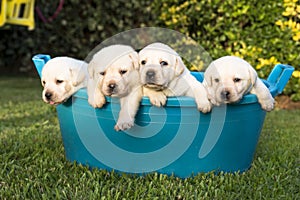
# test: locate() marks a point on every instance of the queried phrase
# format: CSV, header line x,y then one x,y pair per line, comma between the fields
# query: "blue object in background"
x,y
175,139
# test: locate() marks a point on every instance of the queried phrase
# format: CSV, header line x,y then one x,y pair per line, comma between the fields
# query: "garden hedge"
x,y
262,32
77,29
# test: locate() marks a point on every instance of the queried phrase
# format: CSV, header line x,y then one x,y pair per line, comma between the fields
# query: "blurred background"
x,y
262,32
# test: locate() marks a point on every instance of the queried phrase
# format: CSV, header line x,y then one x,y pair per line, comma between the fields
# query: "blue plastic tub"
x,y
176,139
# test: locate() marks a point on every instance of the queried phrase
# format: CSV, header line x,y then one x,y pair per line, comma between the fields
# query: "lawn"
x,y
33,165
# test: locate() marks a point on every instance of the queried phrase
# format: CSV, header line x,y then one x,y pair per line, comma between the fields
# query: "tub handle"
x,y
39,61
279,77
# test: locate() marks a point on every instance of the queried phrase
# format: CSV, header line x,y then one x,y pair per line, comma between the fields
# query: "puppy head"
x,y
115,70
61,77
159,65
228,79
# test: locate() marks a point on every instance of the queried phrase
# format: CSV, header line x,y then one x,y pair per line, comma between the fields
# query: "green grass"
x,y
33,165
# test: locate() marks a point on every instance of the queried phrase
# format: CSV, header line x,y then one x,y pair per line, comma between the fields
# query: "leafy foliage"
x,y
262,32
79,27
243,28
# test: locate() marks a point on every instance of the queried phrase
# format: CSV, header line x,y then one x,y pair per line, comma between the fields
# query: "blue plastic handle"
x,y
279,77
39,62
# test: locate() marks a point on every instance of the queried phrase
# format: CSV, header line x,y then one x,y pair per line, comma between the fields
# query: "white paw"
x,y
158,100
204,105
267,105
123,125
97,102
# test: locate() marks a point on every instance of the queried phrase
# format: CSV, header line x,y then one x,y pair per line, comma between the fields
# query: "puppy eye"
x,y
59,81
163,63
236,80
143,62
217,80
123,72
102,73
44,82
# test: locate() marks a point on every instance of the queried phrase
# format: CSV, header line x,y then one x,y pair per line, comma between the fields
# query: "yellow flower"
x,y
238,54
266,62
290,23
259,66
279,23
174,20
289,11
273,60
172,10
296,37
296,74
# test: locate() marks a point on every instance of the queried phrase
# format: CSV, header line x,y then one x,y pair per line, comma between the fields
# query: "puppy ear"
x,y
253,75
91,69
78,74
135,60
208,77
42,82
179,66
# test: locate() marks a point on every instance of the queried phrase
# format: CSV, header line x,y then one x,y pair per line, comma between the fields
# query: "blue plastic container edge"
x,y
39,61
279,77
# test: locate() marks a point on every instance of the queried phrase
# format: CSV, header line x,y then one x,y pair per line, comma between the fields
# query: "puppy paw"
x,y
267,105
98,102
204,106
121,126
158,100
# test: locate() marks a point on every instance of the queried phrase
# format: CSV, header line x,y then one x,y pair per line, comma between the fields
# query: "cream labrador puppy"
x,y
229,78
62,77
164,74
114,72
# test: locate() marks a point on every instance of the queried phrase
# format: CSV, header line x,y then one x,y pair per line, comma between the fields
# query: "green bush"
x,y
79,27
262,32
244,28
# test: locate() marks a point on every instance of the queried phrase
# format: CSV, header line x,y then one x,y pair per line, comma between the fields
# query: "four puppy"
x,y
157,72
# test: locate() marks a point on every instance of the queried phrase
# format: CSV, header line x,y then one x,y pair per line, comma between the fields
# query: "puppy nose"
x,y
150,74
112,86
225,94
48,95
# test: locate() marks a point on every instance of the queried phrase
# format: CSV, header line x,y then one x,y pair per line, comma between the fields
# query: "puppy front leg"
x,y
263,95
95,96
157,98
201,97
129,108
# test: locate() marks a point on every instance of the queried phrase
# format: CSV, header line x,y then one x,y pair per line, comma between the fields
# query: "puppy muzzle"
x,y
225,95
151,80
150,77
228,95
51,99
111,89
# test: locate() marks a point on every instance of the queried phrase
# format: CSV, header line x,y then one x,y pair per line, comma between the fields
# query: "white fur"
x,y
164,74
229,78
62,77
114,72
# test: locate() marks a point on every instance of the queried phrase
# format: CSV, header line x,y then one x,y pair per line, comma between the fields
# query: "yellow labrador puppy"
x,y
62,77
229,78
164,74
114,72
